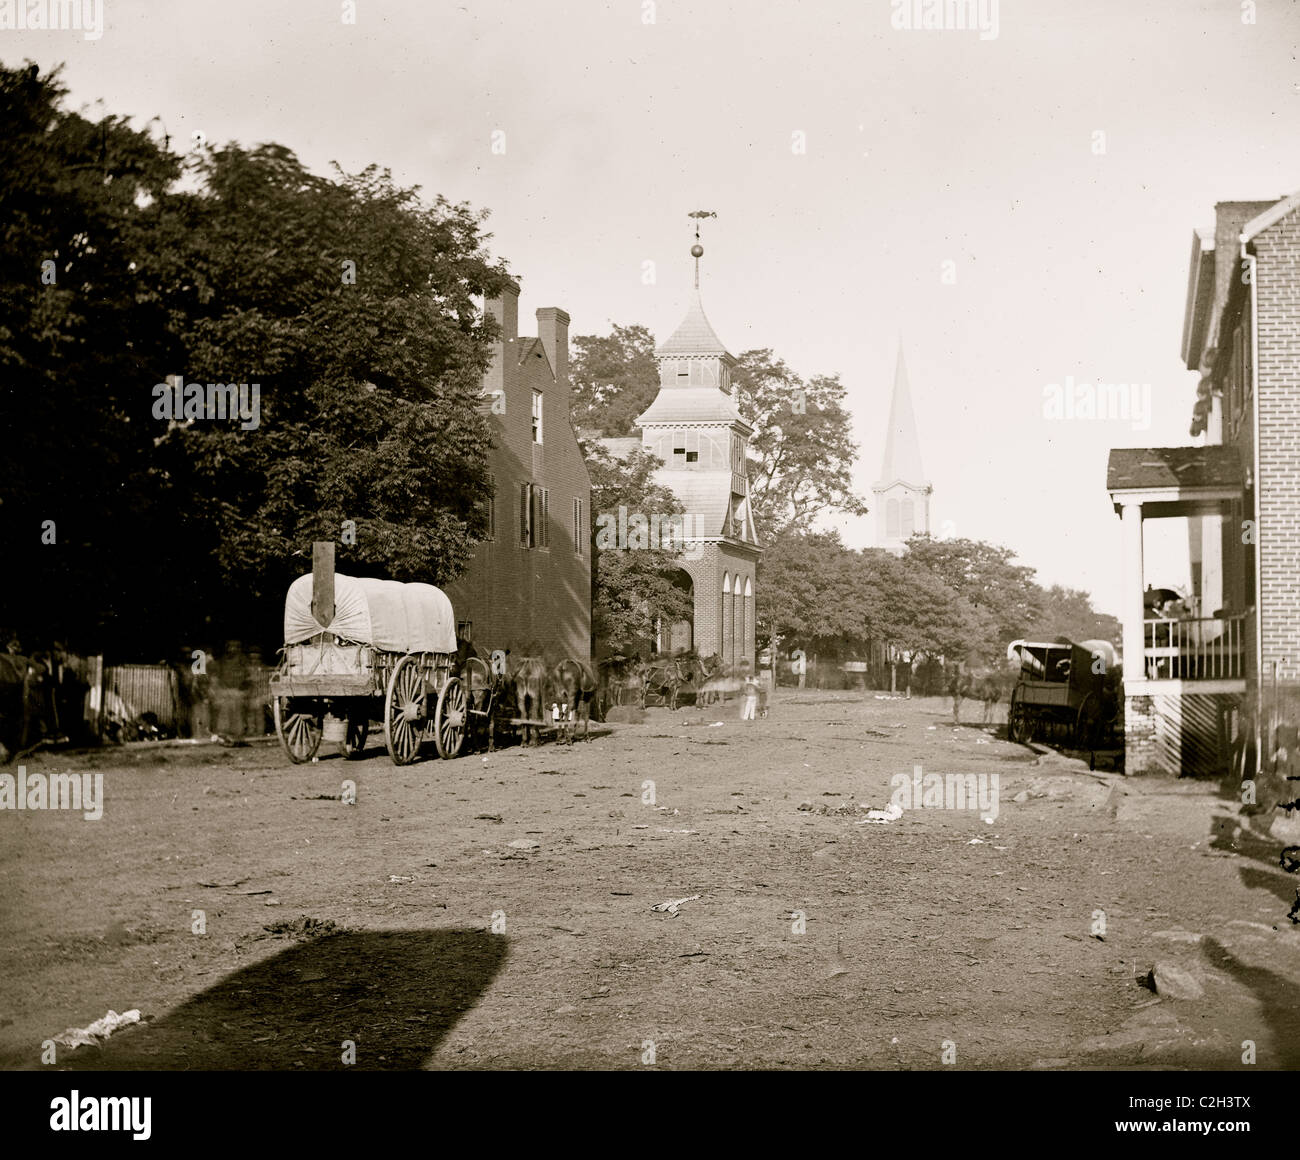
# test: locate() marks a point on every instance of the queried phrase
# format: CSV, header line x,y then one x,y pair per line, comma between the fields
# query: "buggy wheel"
x,y
404,717
299,733
1018,727
449,719
1088,724
354,744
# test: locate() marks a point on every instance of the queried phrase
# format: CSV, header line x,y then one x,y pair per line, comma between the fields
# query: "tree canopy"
x,y
350,302
633,586
963,600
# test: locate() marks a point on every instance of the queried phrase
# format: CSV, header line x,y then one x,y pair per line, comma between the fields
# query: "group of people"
x,y
60,690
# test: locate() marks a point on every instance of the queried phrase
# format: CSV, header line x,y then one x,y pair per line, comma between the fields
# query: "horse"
x,y
575,684
992,686
662,679
22,704
619,676
720,685
530,679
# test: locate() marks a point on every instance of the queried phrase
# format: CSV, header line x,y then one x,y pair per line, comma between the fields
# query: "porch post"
x,y
1133,610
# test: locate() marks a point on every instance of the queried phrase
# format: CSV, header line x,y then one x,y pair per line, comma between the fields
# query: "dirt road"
x,y
817,940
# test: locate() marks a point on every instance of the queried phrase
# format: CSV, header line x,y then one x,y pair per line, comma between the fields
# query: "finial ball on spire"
x,y
697,250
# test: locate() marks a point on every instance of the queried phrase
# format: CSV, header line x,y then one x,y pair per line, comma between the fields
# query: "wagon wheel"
x,y
1088,724
1018,725
449,719
404,717
299,733
354,744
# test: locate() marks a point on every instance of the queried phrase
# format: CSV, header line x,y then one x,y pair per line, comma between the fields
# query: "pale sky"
x,y
921,147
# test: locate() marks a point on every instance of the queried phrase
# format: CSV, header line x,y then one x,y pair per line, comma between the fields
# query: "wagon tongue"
x,y
322,582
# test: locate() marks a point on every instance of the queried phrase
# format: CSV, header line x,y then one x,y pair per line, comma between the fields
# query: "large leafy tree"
x,y
613,378
88,530
351,302
1069,612
802,451
813,593
987,576
348,300
633,586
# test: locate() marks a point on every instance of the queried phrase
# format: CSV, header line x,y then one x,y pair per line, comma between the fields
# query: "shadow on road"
x,y
1274,993
395,994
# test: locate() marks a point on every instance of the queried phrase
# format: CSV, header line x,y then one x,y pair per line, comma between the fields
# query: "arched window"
x,y
891,518
908,519
723,636
747,618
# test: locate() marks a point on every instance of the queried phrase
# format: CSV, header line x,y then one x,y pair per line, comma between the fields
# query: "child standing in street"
x,y
751,699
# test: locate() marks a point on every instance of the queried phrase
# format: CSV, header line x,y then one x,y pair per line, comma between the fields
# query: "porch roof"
x,y
1164,475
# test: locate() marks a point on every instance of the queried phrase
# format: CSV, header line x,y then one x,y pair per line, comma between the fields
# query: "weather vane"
x,y
697,250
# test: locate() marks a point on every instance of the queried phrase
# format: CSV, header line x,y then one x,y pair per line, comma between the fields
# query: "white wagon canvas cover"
x,y
385,614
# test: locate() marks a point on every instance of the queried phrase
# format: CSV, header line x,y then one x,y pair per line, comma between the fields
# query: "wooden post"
x,y
322,582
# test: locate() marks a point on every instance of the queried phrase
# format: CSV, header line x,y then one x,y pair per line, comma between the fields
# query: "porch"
x,y
1184,654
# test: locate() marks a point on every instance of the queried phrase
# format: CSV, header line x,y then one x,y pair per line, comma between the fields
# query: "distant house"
x,y
529,581
1199,685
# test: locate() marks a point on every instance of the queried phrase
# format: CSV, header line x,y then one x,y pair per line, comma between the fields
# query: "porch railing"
x,y
1206,649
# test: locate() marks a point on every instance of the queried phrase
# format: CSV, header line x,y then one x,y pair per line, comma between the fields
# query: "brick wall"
x,y
1277,290
516,595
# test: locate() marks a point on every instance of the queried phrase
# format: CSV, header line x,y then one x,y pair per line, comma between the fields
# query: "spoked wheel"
x,y
354,744
404,717
1088,723
1018,727
299,733
449,719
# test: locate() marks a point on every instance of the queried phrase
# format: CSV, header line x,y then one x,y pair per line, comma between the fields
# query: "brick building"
x,y
694,427
1201,681
530,579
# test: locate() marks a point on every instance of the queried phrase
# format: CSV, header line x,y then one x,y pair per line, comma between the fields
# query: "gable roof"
x,y
1270,216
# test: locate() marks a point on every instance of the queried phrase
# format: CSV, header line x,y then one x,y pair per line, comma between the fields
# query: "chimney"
x,y
506,311
553,330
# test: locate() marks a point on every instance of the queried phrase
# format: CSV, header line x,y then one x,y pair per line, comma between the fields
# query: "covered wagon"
x,y
357,650
1063,689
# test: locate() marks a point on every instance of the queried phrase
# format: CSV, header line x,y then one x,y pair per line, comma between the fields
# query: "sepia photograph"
x,y
437,430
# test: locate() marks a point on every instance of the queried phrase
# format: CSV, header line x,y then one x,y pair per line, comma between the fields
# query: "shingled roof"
x,y
694,336
1137,468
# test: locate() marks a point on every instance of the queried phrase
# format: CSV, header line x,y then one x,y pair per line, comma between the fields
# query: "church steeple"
x,y
902,492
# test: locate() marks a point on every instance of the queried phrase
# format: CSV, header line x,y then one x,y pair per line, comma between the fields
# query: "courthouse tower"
x,y
694,427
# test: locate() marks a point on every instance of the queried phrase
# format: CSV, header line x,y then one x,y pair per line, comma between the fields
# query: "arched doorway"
x,y
680,635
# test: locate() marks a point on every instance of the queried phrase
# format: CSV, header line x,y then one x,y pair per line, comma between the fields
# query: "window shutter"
x,y
546,517
524,515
